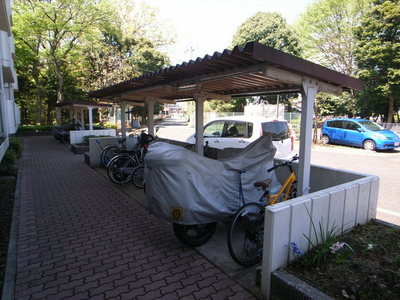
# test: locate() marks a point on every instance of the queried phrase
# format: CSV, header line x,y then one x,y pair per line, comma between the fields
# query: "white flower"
x,y
336,247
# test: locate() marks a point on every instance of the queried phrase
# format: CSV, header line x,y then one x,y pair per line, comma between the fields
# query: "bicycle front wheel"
x,y
120,168
108,153
138,177
246,234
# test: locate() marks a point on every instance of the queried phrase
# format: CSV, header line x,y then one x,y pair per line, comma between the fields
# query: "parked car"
x,y
359,133
61,132
238,132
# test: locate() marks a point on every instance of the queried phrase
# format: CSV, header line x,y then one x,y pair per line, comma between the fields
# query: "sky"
x,y
204,26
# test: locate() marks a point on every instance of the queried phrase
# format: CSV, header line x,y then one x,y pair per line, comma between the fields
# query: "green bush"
x,y
16,145
8,162
23,128
106,125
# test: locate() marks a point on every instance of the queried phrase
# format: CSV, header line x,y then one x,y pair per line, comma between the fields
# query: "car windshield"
x,y
279,130
371,125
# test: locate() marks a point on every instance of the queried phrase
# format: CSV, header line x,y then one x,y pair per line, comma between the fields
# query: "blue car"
x,y
359,133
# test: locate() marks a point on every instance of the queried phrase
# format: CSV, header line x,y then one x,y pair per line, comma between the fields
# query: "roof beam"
x,y
297,79
209,96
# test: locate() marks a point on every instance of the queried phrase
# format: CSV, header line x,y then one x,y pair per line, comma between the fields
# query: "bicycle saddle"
x,y
264,184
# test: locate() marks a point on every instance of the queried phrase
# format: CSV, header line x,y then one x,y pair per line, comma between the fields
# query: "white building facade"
x,y
9,111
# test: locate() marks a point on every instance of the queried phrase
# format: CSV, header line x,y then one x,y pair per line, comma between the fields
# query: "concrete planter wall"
x,y
76,136
337,198
96,146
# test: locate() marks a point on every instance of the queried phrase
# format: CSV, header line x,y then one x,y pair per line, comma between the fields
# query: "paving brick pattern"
x,y
82,238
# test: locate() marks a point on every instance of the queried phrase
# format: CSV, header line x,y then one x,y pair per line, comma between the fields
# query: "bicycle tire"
x,y
138,177
120,168
108,153
194,235
246,234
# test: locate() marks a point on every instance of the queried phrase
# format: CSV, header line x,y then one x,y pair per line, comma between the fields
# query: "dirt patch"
x,y
367,266
7,189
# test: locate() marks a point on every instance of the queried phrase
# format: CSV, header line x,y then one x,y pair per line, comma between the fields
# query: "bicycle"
x,y
246,231
138,172
109,151
121,167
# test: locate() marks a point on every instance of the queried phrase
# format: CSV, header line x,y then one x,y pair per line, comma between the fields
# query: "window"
x,y
279,130
235,129
351,125
335,124
214,129
371,125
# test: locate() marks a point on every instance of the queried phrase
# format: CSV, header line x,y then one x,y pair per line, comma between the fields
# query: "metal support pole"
x,y
150,115
310,89
83,119
90,112
199,124
123,123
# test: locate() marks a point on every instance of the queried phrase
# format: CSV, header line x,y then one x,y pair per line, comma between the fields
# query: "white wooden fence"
x,y
77,135
338,199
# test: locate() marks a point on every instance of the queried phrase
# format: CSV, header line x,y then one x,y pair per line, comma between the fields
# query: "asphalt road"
x,y
386,165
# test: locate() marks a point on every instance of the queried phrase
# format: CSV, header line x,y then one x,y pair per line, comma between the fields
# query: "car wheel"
x,y
325,139
369,145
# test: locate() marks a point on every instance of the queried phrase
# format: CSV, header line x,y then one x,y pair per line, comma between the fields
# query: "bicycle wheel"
x,y
108,153
194,235
120,168
246,234
138,177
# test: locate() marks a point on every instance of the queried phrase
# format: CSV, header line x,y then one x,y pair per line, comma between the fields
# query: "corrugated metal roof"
x,y
236,72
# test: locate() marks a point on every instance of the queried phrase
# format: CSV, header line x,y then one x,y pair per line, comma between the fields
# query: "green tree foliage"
x,y
378,57
269,29
67,47
326,30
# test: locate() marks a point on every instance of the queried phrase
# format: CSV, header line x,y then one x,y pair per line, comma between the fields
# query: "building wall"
x,y
9,111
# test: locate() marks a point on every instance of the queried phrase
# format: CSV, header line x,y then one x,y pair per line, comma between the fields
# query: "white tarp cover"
x,y
205,190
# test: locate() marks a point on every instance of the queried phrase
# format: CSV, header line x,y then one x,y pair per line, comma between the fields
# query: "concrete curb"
x,y
11,265
379,221
285,286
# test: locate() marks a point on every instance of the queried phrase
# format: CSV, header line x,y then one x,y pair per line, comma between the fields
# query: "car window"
x,y
214,129
371,125
335,124
234,129
279,130
351,125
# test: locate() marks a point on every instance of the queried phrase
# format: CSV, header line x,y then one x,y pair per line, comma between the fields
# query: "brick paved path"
x,y
81,238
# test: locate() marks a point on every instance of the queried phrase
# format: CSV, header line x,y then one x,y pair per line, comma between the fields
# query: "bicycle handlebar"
x,y
285,163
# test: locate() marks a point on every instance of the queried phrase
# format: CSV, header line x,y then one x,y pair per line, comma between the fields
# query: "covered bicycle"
x,y
194,192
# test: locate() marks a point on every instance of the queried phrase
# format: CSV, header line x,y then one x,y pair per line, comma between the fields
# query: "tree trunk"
x,y
60,95
38,86
390,110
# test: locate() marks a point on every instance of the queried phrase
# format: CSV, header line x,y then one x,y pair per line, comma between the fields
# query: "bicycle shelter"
x,y
252,70
257,70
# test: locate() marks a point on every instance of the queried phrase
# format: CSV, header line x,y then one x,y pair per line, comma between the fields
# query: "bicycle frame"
x,y
285,191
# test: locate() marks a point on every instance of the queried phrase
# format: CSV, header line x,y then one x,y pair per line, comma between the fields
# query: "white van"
x,y
238,132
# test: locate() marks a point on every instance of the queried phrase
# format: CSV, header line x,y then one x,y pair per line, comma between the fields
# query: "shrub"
x,y
23,128
108,125
8,162
16,145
